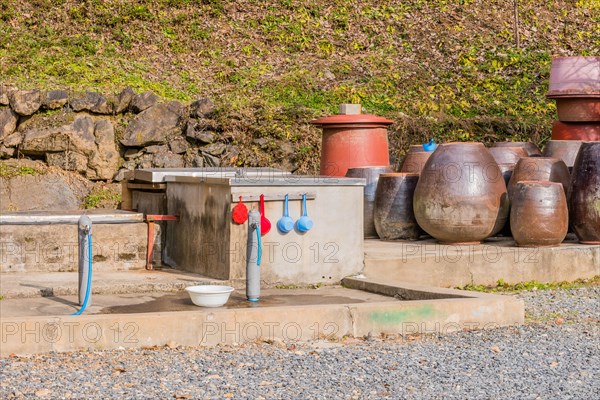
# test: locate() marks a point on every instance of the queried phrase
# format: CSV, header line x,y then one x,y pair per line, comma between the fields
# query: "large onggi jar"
x,y
461,196
352,141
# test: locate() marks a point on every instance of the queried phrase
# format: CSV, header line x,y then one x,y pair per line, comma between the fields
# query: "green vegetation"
x,y
444,68
102,197
10,171
503,287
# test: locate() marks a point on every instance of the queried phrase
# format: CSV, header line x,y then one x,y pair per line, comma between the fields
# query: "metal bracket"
x,y
151,219
253,197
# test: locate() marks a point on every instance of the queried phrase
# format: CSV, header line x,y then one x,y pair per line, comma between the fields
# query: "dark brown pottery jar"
x,y
415,159
532,149
539,169
371,174
539,214
461,196
394,217
585,194
566,150
508,155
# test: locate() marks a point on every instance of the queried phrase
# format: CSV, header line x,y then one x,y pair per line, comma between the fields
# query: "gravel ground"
x,y
556,355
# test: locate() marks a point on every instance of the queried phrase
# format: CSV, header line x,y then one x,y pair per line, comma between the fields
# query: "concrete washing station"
x,y
183,220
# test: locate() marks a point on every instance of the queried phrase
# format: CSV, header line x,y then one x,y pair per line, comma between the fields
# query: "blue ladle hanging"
x,y
285,223
304,223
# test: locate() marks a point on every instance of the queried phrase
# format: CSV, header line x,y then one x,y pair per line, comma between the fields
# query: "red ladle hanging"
x,y
265,224
240,213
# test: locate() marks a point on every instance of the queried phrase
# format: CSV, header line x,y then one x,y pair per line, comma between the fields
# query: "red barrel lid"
x,y
352,119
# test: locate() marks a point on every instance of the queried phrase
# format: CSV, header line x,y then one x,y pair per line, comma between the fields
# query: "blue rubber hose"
x,y
89,278
259,244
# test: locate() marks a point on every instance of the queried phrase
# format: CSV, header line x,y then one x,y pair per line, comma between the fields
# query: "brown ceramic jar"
x,y
371,174
415,159
539,169
539,214
461,195
585,194
508,155
566,150
394,217
532,149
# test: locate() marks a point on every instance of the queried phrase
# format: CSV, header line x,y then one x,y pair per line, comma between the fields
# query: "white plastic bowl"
x,y
209,295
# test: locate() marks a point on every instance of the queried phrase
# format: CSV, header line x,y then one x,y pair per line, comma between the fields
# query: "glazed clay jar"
x,y
394,217
585,194
415,159
461,195
539,214
371,174
566,150
532,149
539,169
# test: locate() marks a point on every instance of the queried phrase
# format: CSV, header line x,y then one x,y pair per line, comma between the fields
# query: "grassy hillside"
x,y
448,68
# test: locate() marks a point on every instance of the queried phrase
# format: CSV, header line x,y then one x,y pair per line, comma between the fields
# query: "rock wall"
x,y
101,137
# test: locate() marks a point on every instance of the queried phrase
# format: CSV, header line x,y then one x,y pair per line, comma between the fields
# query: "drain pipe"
x,y
84,229
253,258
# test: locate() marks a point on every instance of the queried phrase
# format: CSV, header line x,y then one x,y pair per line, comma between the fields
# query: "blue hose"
x,y
259,243
89,278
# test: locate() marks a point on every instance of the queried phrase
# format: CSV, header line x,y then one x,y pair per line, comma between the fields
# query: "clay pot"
x,y
574,76
539,214
415,159
585,194
508,155
539,169
586,131
461,196
394,217
532,149
566,150
578,109
354,140
371,174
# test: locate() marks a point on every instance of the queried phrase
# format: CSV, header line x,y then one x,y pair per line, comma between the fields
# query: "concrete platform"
x,y
427,262
44,284
39,325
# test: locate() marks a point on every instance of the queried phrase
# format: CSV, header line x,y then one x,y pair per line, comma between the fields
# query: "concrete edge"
x,y
210,327
412,291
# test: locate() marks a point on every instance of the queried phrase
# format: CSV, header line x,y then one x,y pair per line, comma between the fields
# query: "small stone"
x,y
93,102
155,149
6,152
155,125
210,160
13,140
262,142
216,149
133,153
55,99
167,159
43,392
4,101
124,100
202,108
178,145
8,122
495,349
120,175
25,102
143,101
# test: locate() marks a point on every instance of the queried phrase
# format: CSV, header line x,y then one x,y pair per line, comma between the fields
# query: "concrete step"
x,y
43,324
427,262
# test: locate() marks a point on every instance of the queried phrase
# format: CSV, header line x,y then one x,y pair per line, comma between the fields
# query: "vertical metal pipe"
x,y
252,257
84,232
